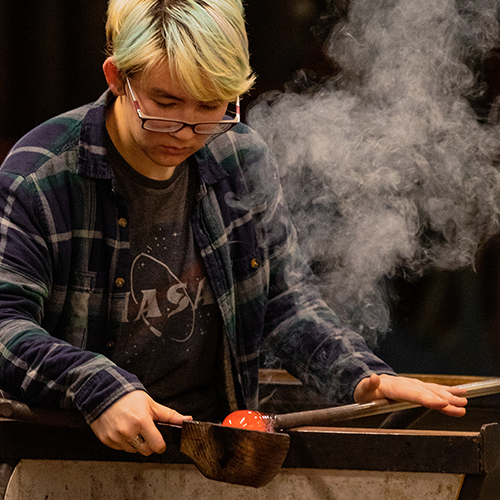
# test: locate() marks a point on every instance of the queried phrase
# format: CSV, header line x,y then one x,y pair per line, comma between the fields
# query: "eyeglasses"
x,y
169,125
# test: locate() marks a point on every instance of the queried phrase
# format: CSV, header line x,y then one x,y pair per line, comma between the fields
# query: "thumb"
x,y
366,389
168,415
372,383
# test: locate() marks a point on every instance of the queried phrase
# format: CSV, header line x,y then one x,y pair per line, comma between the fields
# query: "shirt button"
x,y
110,344
120,282
255,263
122,222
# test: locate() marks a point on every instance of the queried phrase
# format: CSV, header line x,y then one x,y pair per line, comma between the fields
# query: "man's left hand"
x,y
446,399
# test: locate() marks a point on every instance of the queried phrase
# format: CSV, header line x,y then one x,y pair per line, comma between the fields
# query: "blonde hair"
x,y
204,43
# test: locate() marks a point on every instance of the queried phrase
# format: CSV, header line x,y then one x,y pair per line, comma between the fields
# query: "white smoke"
x,y
386,167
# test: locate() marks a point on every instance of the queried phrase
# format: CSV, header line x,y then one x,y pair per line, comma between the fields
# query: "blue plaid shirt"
x,y
65,265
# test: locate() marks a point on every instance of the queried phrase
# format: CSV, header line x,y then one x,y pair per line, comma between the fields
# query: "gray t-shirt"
x,y
171,331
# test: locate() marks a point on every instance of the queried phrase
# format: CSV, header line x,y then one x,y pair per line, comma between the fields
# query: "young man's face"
x,y
155,153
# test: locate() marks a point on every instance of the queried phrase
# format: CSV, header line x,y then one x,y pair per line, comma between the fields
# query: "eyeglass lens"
x,y
200,128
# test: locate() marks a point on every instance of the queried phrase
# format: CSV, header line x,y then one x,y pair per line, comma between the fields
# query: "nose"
x,y
186,133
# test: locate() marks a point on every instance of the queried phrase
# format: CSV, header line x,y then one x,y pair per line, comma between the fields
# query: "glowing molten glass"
x,y
250,420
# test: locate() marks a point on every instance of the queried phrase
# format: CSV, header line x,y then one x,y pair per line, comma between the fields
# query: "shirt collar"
x,y
210,170
92,160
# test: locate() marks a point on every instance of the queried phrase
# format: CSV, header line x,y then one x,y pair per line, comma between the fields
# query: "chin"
x,y
165,160
170,163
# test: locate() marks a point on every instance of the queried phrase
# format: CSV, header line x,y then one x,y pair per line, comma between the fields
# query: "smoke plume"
x,y
386,167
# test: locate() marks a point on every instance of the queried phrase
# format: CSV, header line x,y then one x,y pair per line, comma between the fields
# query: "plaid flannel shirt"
x,y
65,264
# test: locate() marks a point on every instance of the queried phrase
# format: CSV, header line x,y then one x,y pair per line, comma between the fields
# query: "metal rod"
x,y
325,416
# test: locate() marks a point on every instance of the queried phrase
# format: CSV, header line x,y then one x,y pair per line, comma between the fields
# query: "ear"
x,y
113,77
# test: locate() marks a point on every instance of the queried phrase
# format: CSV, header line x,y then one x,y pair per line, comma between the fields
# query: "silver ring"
x,y
137,442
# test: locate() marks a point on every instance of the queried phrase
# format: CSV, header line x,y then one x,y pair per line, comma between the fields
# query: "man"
x,y
146,254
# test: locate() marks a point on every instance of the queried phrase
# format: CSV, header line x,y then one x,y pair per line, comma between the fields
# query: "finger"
x,y
145,449
153,438
121,443
458,391
440,400
161,414
126,446
455,396
453,411
457,400
137,442
136,446
151,433
424,397
168,415
125,441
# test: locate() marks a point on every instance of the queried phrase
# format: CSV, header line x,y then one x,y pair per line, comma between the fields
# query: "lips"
x,y
175,151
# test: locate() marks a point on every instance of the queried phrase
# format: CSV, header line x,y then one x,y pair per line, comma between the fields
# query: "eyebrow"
x,y
157,92
161,93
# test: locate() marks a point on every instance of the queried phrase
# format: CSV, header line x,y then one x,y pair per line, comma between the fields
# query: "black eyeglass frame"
x,y
219,126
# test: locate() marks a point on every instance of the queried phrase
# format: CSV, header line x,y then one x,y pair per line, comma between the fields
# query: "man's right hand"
x,y
131,418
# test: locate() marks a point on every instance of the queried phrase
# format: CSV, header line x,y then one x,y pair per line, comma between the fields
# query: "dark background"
x,y
51,52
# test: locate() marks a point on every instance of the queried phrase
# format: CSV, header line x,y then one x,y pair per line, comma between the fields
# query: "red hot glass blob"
x,y
246,419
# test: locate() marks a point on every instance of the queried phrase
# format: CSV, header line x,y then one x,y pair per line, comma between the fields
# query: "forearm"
x,y
46,371
326,357
308,337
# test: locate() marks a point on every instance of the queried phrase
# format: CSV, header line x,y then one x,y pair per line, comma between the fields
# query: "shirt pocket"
x,y
82,301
